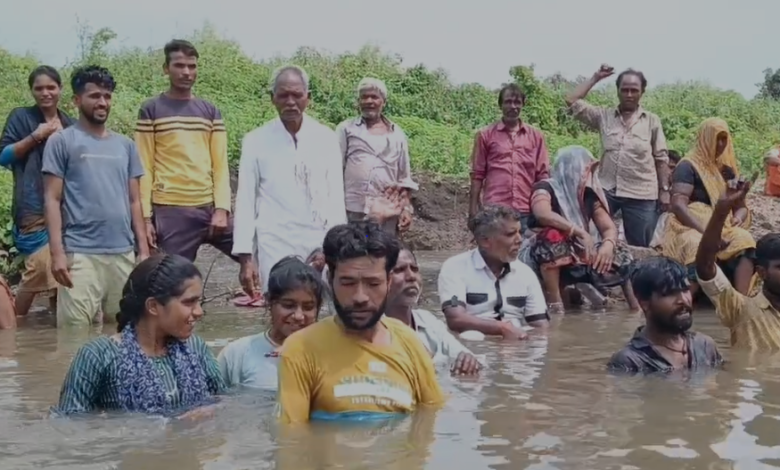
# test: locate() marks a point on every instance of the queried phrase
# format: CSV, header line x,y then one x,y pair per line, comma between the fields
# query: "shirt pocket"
x,y
517,301
612,138
476,298
641,140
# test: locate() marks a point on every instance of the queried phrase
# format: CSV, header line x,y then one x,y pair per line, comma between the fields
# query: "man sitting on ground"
x,y
664,343
488,289
754,321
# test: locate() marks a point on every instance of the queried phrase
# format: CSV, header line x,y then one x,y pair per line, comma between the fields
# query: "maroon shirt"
x,y
509,167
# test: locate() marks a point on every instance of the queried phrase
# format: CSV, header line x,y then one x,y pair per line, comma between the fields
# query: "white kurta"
x,y
288,197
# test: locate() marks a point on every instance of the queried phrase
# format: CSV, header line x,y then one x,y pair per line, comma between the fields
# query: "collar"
x,y
640,110
419,320
502,127
64,118
359,121
479,263
304,125
639,340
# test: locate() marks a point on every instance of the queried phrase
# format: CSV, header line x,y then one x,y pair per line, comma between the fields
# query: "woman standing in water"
x,y
154,364
294,297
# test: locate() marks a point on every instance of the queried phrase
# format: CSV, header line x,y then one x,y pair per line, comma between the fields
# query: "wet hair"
x,y
768,249
635,73
658,275
291,273
359,239
179,45
485,223
160,277
674,156
47,70
511,88
94,74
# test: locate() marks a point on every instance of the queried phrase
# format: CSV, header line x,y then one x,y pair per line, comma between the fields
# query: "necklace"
x,y
683,351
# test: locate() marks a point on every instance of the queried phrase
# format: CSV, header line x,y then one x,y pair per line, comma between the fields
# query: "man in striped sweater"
x,y
185,190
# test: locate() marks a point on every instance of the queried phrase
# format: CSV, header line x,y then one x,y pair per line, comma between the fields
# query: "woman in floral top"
x,y
154,364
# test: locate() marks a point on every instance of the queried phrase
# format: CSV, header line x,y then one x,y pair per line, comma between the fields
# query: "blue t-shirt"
x,y
96,173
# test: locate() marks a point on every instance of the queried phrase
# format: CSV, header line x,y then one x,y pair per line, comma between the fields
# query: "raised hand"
x,y
603,72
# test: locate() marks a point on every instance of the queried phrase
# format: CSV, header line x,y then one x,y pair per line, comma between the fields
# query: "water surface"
x,y
543,404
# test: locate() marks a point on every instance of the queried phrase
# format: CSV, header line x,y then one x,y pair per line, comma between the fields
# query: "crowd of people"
x,y
110,227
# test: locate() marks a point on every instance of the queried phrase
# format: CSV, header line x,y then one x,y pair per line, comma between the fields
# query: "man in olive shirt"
x,y
634,169
754,321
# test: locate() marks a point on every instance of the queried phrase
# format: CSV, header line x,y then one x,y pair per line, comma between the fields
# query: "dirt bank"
x,y
441,206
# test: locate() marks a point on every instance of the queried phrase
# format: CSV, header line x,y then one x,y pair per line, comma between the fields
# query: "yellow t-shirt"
x,y
325,374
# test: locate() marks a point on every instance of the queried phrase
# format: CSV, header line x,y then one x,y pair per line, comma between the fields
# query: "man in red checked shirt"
x,y
509,157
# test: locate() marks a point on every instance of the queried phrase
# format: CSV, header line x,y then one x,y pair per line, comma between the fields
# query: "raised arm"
x,y
586,113
220,169
15,142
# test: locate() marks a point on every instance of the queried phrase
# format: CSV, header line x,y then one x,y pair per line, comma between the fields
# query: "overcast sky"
x,y
727,43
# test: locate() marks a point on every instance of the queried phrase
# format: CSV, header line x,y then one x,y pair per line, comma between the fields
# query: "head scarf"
x,y
572,173
706,162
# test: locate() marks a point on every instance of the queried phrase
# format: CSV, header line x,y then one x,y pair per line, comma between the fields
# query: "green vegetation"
x,y
440,118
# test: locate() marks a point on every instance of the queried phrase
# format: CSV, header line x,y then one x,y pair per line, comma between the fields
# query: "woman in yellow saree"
x,y
697,184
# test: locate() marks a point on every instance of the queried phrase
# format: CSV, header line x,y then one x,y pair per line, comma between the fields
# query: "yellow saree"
x,y
681,242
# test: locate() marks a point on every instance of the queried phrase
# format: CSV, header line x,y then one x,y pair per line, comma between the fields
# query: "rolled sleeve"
x,y
479,158
660,149
727,301
586,113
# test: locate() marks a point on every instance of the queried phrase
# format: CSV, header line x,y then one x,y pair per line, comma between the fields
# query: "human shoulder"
x,y
522,269
486,130
20,113
533,130
652,117
102,349
345,124
310,339
241,345
460,260
319,128
625,360
399,329
121,139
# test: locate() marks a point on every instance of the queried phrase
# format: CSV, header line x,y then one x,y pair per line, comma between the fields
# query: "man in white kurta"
x,y
290,183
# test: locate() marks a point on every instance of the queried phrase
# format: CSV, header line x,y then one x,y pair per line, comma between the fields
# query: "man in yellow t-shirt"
x,y
358,364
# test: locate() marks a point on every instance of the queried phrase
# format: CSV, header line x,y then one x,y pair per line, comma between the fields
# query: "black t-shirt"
x,y
590,202
686,173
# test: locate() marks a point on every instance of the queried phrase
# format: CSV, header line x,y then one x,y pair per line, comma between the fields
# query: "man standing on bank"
x,y
509,157
92,205
376,157
634,169
185,191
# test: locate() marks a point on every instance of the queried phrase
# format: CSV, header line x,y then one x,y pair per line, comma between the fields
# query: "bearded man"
x,y
358,362
665,343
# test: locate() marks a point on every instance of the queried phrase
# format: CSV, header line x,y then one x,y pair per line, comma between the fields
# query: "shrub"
x,y
439,116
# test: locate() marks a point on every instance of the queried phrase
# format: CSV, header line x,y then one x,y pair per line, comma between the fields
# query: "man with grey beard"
x,y
664,343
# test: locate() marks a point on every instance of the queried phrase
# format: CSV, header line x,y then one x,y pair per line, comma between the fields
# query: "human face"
x,y
371,104
177,317
630,92
94,103
290,97
405,280
360,288
293,311
721,143
46,92
182,70
770,274
672,313
504,244
511,106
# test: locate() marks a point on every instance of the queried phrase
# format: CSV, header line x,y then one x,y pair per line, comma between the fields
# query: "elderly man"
x,y
488,289
634,169
375,156
290,184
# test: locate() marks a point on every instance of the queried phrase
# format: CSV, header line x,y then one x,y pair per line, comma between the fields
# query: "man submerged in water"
x,y
665,343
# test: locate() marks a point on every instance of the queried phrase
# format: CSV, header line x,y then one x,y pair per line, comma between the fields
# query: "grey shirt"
x,y
96,199
250,362
640,356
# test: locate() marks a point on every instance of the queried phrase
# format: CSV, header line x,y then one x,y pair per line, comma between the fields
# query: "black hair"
x,y
635,73
291,273
768,249
94,74
47,70
179,45
512,88
674,156
358,239
486,221
658,275
160,277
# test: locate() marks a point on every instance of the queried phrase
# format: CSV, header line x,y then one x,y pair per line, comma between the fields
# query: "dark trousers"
x,y
182,230
639,218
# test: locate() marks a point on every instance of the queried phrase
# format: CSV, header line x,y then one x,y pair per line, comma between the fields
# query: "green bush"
x,y
439,117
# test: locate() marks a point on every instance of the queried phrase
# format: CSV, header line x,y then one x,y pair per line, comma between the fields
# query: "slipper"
x,y
247,301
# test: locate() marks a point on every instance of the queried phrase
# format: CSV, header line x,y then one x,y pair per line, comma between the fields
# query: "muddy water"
x,y
543,404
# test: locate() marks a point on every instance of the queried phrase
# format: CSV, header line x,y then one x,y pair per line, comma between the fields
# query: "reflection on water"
x,y
543,404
